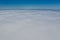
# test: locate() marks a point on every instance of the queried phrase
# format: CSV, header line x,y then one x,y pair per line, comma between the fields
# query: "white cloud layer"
x,y
29,25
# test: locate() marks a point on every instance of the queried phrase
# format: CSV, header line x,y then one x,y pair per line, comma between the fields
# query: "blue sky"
x,y
49,4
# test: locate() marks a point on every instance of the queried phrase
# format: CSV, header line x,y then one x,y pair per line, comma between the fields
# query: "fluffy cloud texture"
x,y
29,25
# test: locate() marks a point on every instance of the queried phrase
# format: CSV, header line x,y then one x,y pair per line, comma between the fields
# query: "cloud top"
x,y
29,25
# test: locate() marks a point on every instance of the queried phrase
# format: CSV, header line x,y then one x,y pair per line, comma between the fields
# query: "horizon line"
x,y
34,9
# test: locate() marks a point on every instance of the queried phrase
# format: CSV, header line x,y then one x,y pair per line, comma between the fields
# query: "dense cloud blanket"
x,y
29,25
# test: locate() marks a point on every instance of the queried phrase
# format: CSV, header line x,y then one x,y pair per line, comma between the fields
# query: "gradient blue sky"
x,y
42,4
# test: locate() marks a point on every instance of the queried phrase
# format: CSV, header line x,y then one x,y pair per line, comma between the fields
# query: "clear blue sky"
x,y
55,4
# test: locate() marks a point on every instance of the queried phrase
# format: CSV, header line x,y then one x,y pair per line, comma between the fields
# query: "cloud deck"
x,y
29,25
